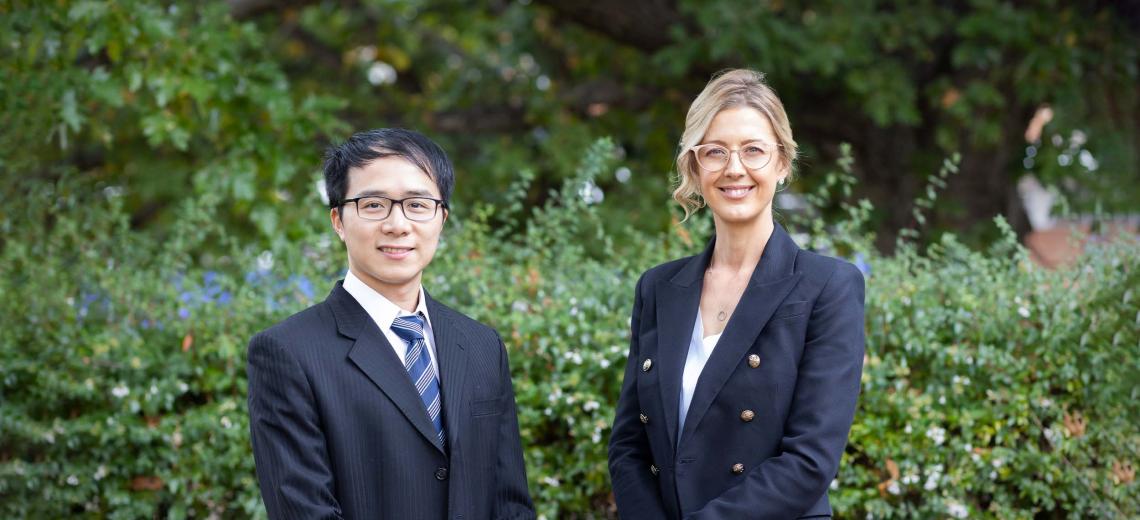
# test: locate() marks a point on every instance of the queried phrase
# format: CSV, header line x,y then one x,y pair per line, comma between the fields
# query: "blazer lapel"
x,y
452,359
677,301
771,281
373,354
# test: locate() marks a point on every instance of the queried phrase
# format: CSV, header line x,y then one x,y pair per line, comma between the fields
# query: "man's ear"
x,y
445,214
337,223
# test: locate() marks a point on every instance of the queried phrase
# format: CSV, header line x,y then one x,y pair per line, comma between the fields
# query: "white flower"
x,y
73,480
936,434
957,510
604,363
930,484
226,423
893,488
381,73
265,261
100,472
1024,312
590,406
120,391
591,194
519,306
550,481
910,479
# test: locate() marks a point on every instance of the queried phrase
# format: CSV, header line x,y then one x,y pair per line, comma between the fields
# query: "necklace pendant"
x,y
721,316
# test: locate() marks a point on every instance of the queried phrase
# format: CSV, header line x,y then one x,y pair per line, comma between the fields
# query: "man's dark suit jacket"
x,y
770,414
339,431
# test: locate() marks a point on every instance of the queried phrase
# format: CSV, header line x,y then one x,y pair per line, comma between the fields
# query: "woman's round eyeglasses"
x,y
753,155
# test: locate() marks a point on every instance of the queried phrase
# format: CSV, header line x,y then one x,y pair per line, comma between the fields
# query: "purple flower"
x,y
862,264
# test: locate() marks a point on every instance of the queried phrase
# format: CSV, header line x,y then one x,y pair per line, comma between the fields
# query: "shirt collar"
x,y
379,308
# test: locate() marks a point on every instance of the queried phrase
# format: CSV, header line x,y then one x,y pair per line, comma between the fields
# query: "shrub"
x,y
991,388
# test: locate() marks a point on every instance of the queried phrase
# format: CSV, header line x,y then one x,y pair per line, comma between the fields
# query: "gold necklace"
x,y
723,314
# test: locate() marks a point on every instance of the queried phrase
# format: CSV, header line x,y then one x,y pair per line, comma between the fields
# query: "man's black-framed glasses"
x,y
419,209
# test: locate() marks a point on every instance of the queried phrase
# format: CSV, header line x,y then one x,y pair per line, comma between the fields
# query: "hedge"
x,y
991,389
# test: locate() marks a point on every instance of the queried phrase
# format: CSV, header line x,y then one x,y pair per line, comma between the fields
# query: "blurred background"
x,y
162,202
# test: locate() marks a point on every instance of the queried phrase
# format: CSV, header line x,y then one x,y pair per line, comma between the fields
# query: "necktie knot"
x,y
409,328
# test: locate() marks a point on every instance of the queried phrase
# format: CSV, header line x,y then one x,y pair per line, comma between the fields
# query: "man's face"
x,y
391,254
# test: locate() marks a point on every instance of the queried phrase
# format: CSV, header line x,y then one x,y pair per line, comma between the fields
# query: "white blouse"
x,y
700,349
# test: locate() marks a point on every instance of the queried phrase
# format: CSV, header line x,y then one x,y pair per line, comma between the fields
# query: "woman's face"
x,y
736,193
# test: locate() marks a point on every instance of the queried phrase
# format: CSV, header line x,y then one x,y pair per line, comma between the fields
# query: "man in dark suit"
x,y
381,402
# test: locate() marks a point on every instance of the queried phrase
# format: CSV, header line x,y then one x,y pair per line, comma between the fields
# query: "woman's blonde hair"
x,y
728,89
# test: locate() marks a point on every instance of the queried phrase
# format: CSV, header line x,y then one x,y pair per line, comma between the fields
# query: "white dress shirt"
x,y
384,312
700,349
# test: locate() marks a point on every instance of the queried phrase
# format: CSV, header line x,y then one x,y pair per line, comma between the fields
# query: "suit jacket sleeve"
x,y
288,445
823,407
635,488
512,498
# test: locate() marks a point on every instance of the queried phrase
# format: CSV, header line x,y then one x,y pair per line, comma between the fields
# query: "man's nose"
x,y
396,223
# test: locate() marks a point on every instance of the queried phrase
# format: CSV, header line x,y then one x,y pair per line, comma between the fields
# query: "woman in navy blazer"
x,y
745,360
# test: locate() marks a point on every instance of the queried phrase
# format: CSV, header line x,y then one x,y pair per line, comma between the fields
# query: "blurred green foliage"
x,y
992,388
161,100
160,164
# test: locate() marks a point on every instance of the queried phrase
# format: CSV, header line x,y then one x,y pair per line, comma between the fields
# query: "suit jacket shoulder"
x,y
663,271
820,269
467,326
311,323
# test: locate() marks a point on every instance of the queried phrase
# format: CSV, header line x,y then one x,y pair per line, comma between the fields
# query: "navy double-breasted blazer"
x,y
771,411
339,430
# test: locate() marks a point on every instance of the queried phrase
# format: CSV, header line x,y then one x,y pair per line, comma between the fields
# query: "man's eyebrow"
x,y
382,193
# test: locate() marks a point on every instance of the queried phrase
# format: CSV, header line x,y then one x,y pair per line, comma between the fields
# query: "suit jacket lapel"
x,y
452,359
373,354
677,301
771,281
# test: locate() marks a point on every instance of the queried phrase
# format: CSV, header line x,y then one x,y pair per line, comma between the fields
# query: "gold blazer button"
x,y
653,469
644,419
738,468
747,415
646,365
754,361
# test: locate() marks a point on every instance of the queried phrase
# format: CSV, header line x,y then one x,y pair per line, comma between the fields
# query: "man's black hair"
x,y
365,147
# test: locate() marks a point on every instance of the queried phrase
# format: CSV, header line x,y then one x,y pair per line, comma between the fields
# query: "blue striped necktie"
x,y
416,361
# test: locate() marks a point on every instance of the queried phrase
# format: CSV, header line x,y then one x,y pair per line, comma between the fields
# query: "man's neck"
x,y
405,296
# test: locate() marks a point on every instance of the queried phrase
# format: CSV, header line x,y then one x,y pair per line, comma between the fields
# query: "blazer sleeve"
x,y
822,409
288,445
512,497
635,488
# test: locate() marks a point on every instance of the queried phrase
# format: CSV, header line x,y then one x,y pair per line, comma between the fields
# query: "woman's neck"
x,y
739,246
